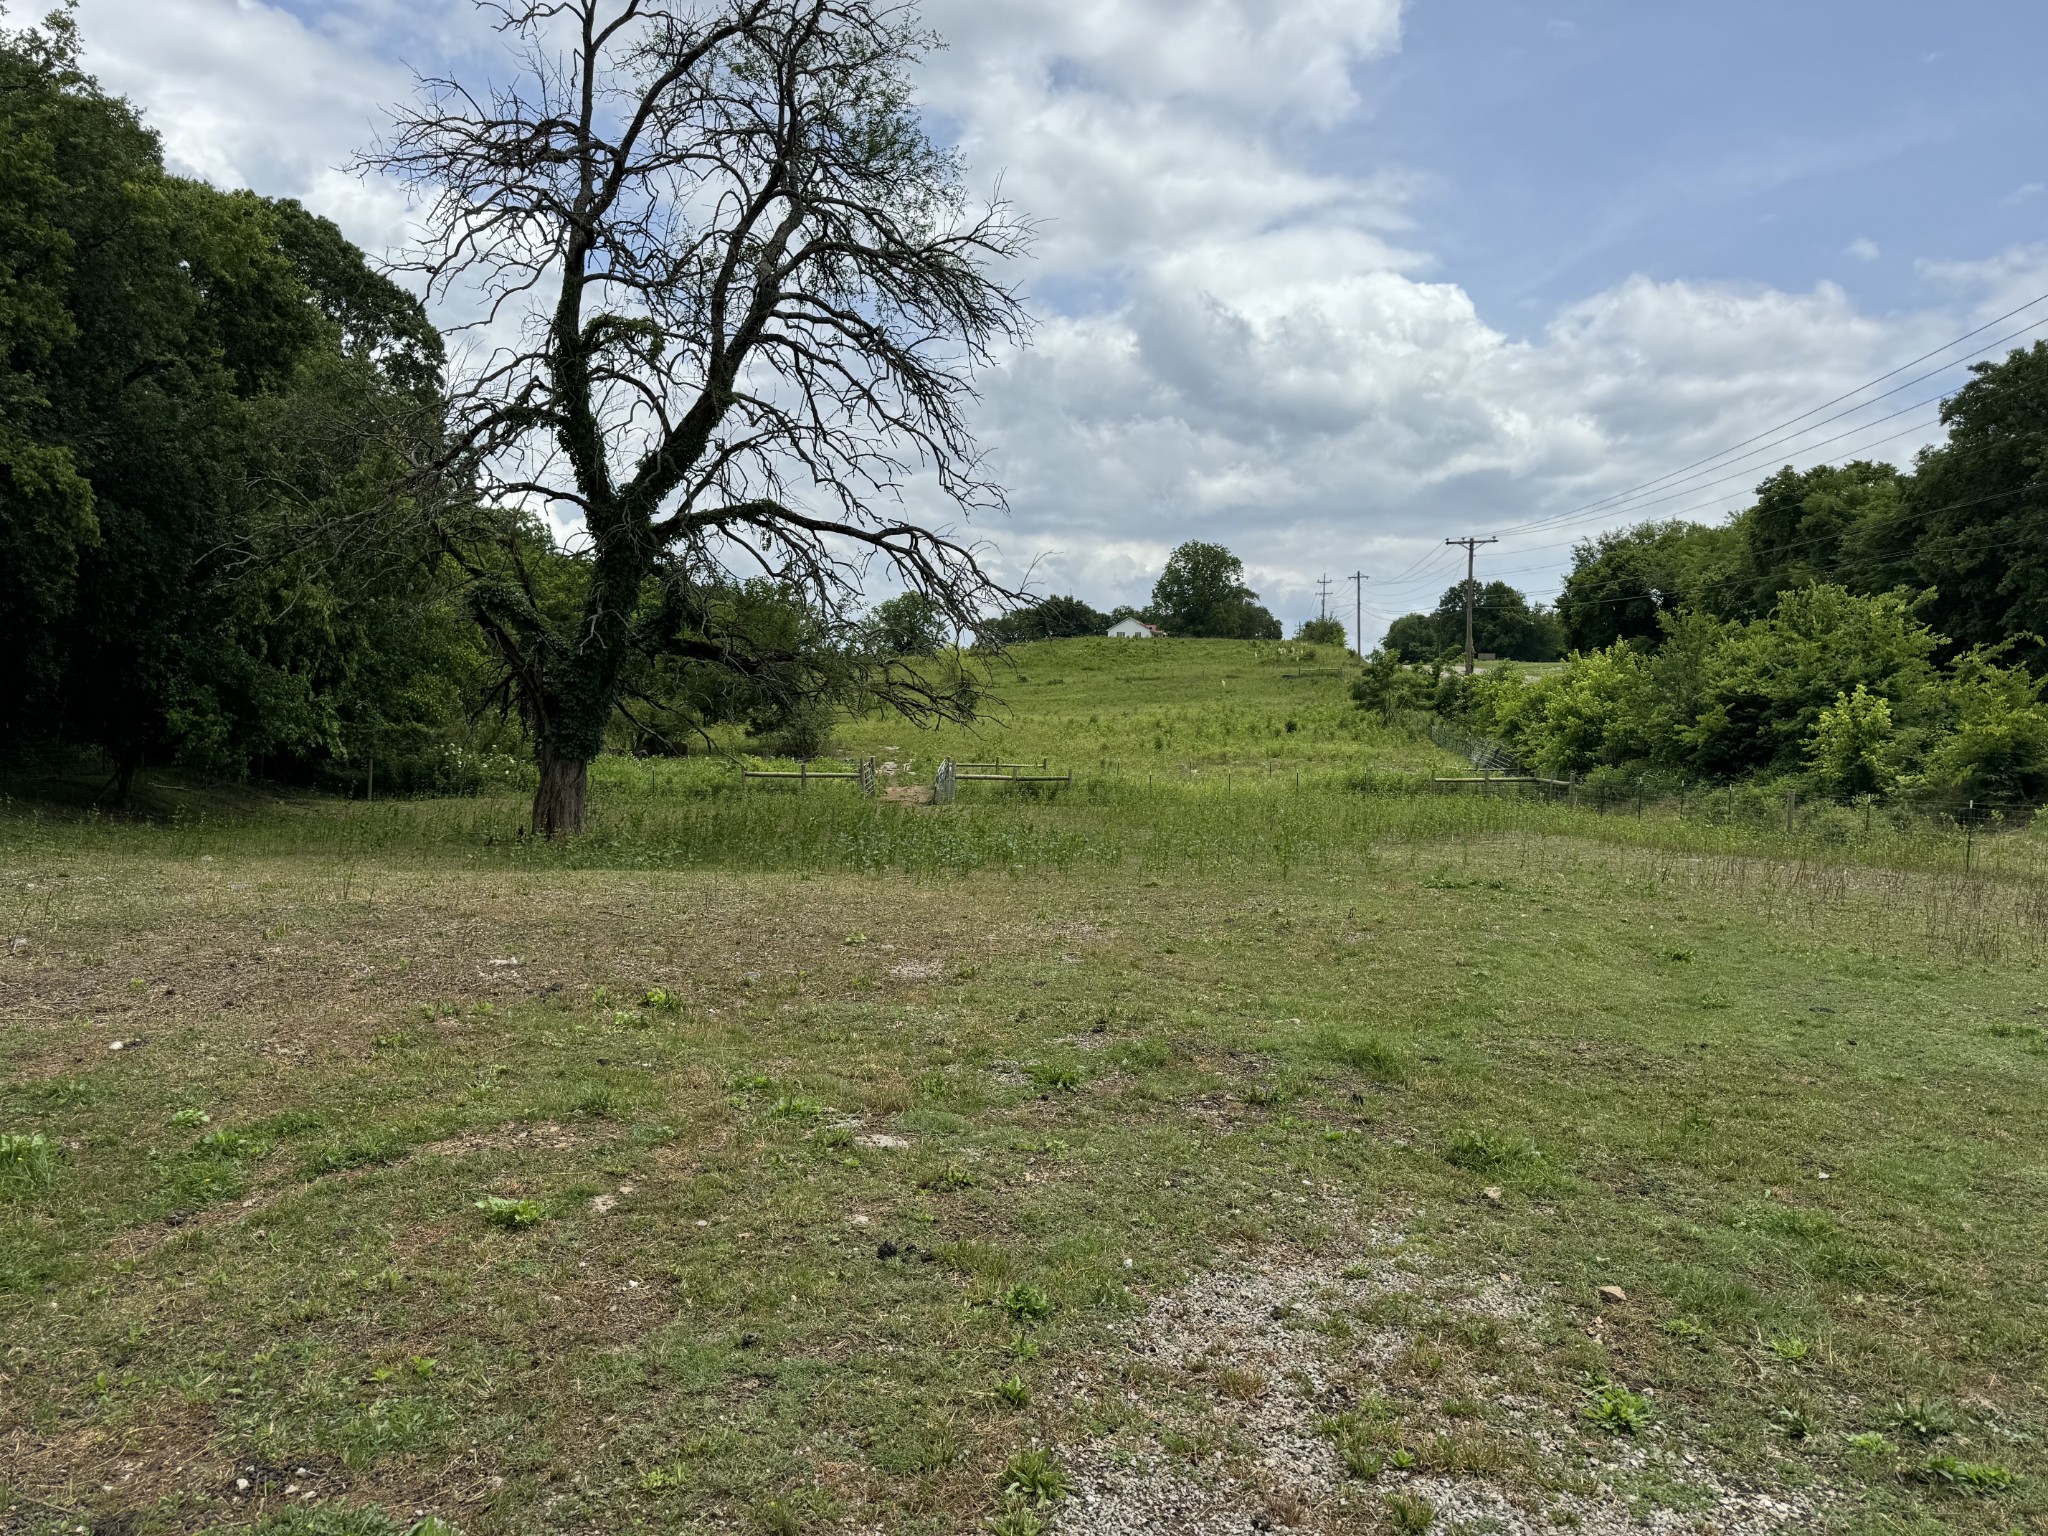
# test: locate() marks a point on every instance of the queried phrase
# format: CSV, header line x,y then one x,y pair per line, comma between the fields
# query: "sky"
x,y
1329,281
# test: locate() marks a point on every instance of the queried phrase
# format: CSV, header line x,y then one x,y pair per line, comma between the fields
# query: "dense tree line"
x,y
1860,629
207,399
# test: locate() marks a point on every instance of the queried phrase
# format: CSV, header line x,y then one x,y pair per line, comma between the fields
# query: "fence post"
x,y
943,787
867,777
1969,834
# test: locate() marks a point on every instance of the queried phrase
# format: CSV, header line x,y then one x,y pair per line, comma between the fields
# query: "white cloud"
x,y
1862,249
1243,338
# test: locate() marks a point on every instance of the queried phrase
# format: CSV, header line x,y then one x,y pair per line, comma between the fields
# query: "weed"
x,y
190,1119
513,1215
1789,1348
951,1177
1869,1444
1027,1304
1612,1407
1014,1392
665,1479
1972,1479
797,1108
1016,1521
778,1519
28,1165
1054,1078
1687,1331
1922,1418
227,1145
1491,1152
1034,1479
662,999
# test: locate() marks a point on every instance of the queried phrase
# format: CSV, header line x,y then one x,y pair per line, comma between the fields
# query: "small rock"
x,y
1493,1193
857,1219
602,1203
887,1143
1613,1293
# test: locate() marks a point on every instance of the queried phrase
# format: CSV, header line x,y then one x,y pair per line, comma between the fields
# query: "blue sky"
x,y
1569,145
1328,280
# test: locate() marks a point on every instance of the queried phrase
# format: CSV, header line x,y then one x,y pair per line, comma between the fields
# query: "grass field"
x,y
1231,1141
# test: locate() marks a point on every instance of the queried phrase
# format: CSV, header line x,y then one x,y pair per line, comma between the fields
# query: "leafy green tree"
x,y
910,624
1050,618
1388,688
1623,582
1415,637
1809,526
1504,624
1596,711
199,556
1973,525
1201,593
1995,751
1323,631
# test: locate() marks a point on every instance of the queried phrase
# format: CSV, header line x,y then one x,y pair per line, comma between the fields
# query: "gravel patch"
x,y
1225,1382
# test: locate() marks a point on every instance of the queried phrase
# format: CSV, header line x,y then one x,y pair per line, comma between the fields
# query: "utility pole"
x,y
1471,591
1323,595
1358,611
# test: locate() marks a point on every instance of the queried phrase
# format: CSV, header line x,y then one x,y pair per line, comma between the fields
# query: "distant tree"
x,y
1051,618
1623,581
766,291
1323,631
1504,624
1202,593
912,624
1414,637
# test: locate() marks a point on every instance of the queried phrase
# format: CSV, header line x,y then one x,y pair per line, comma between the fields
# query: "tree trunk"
x,y
124,782
558,803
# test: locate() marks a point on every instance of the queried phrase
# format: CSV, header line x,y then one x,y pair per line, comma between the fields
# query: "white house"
x,y
1133,629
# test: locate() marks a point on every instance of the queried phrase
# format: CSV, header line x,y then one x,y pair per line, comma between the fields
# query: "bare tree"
x,y
750,296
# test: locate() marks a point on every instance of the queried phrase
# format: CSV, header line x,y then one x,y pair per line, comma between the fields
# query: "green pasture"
x,y
788,1161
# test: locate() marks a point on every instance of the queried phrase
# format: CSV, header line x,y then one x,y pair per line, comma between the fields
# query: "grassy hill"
x,y
1200,1138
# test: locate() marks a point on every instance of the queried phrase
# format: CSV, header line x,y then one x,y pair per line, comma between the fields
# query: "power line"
x,y
1613,501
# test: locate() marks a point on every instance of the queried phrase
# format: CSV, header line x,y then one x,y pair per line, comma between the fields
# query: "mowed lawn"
x,y
812,1198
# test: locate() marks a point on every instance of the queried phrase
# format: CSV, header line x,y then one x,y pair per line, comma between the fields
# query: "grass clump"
x,y
1493,1152
28,1165
513,1215
1366,1054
